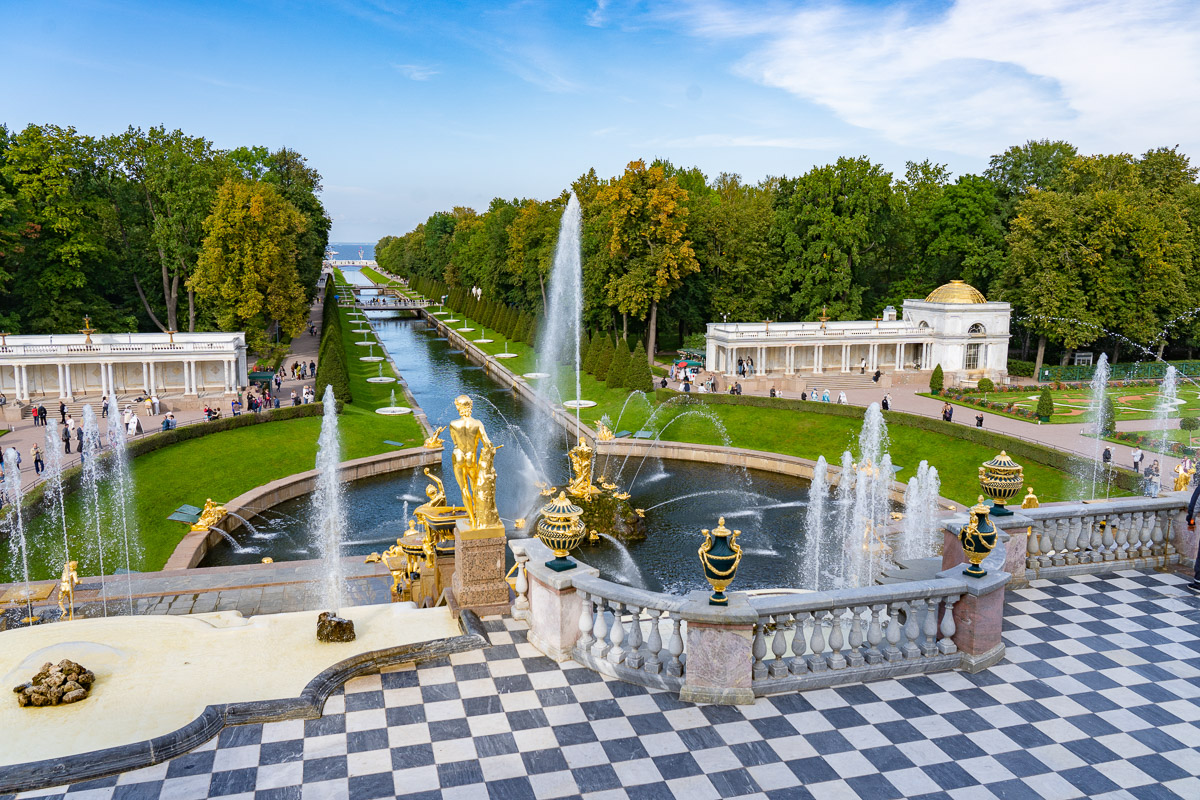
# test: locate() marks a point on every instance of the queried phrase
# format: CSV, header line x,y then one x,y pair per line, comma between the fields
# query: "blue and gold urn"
x,y
720,555
978,537
560,529
1001,479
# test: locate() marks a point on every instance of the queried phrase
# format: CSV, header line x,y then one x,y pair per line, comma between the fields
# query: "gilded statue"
x,y
66,588
603,432
209,517
474,472
435,442
1183,477
436,491
581,467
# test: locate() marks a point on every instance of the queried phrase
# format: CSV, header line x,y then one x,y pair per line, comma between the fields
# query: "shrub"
x,y
937,380
603,358
1019,368
638,375
615,379
986,385
1045,404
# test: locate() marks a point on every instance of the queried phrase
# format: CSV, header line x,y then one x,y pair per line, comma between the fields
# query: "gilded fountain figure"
x,y
582,457
474,468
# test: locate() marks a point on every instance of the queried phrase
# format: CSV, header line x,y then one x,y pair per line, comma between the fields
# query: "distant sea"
x,y
348,251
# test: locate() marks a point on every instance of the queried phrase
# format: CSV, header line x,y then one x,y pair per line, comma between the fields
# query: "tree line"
x,y
155,229
1090,250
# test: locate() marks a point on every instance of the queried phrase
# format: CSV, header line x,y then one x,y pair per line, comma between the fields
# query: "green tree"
x,y
637,375
646,219
1045,404
937,379
603,358
247,265
614,377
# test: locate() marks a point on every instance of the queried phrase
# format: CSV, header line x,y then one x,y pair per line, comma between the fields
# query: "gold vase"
x,y
561,529
720,556
978,537
1001,479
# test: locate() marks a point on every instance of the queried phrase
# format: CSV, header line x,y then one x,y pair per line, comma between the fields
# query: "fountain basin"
x,y
179,665
483,341
364,344
535,375
505,355
381,379
464,330
393,411
579,403
440,313
360,330
370,358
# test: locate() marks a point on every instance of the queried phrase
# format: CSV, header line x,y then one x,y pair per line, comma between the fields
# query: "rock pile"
x,y
331,628
56,684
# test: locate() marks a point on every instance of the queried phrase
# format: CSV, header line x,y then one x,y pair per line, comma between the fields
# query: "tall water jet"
x,y
329,512
16,526
918,538
558,340
1168,399
1098,393
53,459
120,496
93,509
815,526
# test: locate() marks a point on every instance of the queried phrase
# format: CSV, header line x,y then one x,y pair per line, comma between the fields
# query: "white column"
x,y
61,384
147,380
187,381
818,358
16,381
191,373
150,364
899,356
845,358
67,376
103,379
196,370
23,385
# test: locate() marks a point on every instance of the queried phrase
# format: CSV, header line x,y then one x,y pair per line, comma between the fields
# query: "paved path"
x,y
1098,697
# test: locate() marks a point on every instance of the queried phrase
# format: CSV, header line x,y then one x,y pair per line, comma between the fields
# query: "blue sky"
x,y
411,108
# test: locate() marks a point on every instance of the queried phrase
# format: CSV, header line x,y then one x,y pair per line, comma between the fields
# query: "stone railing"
x,y
761,643
1061,539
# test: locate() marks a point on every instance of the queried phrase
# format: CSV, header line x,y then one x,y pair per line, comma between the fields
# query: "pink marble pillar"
x,y
719,651
554,609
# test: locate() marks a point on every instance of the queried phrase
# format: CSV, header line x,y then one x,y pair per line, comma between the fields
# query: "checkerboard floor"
x,y
1099,697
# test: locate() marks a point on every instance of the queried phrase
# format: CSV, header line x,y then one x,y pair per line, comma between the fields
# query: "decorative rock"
x,y
55,684
331,628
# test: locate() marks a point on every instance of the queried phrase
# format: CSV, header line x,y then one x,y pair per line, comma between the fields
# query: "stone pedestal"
x,y
554,609
979,613
1184,540
1013,541
719,651
478,582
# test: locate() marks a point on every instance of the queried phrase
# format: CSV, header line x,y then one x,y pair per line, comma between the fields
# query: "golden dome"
x,y
956,292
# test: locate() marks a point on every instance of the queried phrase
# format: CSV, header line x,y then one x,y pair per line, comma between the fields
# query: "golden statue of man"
x,y
468,435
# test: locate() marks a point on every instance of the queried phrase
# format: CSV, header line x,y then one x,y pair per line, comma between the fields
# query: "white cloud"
x,y
730,140
596,17
982,75
416,72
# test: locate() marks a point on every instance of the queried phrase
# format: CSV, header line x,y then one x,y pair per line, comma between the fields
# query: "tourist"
x,y
825,396
65,435
741,368
312,368
42,414
1154,479
154,401
804,395
979,420
841,398
862,366
750,367
3,399
886,402
35,416
134,427
295,398
62,411
687,386
875,378
149,407
70,423
664,382
38,464
772,391
79,439
104,407
1106,456
1138,456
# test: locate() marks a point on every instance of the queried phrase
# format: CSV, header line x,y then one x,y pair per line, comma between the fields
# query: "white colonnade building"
x,y
74,366
955,326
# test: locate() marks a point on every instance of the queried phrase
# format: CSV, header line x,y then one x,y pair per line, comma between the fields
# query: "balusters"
x,y
1072,544
892,652
816,661
855,655
798,665
1033,546
616,653
520,609
1122,537
635,659
1049,527
586,620
946,643
654,643
1157,547
875,635
759,650
1107,542
929,643
911,631
675,646
836,659
1167,527
779,667
1060,527
600,643
1144,523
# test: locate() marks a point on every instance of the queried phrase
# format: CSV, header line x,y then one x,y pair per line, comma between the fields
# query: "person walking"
x,y
154,399
70,423
1106,456
66,439
149,407
38,463
979,420
104,407
79,439
42,414
1138,456
62,411
841,398
862,366
887,401
35,416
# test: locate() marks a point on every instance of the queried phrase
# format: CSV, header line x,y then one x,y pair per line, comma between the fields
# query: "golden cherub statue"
x,y
66,589
436,491
210,516
603,432
435,442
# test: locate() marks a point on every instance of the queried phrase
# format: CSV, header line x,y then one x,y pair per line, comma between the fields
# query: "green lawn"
x,y
1071,405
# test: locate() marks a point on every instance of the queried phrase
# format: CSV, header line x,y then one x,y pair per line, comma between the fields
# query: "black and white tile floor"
x,y
1099,697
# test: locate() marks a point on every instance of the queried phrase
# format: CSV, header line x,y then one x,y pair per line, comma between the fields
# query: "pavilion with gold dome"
x,y
955,326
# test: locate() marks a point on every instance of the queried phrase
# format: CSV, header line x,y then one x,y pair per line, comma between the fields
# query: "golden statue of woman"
x,y
473,470
581,467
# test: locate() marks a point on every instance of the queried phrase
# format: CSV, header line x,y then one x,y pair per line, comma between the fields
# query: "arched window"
x,y
977,330
923,325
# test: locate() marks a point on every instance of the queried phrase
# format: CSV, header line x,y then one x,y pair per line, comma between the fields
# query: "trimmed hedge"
x,y
1020,369
332,369
1017,448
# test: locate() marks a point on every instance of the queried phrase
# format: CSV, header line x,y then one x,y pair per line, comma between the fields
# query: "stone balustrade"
x,y
762,642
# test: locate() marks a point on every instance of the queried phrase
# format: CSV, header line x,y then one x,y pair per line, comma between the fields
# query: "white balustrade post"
x,y
836,640
798,666
654,643
634,658
759,651
779,667
675,647
520,608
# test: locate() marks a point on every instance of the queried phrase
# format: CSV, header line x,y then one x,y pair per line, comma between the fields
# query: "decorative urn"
x,y
720,556
1001,479
560,528
978,537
